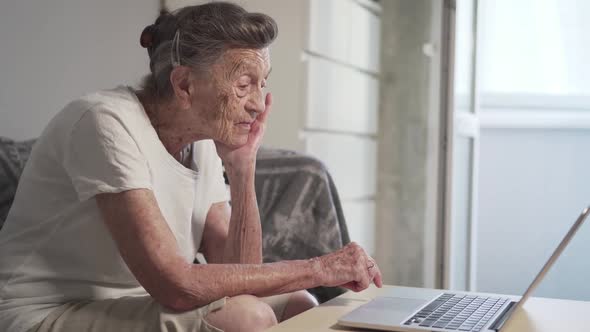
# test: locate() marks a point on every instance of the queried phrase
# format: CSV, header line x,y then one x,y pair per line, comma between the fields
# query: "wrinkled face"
x,y
233,95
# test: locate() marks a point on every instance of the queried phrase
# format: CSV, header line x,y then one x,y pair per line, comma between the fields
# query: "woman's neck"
x,y
171,124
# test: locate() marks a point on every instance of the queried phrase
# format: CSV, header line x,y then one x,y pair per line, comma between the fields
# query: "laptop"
x,y
415,309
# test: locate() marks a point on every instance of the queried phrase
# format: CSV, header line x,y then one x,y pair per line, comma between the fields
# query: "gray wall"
x,y
408,148
53,51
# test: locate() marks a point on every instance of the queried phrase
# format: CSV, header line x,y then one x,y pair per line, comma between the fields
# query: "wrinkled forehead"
x,y
239,61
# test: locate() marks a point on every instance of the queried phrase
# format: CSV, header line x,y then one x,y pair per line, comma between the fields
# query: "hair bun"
x,y
146,40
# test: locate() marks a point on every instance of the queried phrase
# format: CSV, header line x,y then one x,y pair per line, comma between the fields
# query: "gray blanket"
x,y
300,210
299,206
13,156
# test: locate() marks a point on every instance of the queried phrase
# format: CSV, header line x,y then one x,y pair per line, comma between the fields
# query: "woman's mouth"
x,y
244,125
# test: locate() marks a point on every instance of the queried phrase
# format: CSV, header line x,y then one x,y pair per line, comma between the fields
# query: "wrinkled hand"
x,y
244,156
350,267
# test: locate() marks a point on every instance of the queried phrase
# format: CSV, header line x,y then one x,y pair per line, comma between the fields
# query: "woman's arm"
x,y
244,243
244,240
239,240
150,250
215,233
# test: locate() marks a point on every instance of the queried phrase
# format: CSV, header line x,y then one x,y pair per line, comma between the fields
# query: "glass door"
x,y
460,229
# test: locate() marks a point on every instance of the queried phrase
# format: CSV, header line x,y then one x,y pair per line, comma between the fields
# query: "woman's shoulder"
x,y
114,108
119,99
119,103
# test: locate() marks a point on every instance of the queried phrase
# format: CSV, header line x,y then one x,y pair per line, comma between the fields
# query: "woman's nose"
x,y
256,102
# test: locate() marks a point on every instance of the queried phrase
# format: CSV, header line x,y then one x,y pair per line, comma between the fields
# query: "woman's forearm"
x,y
244,241
209,282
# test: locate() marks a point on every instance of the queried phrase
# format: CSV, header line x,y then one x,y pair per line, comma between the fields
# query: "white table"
x,y
538,315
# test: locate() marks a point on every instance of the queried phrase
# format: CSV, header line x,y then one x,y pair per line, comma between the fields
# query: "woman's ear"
x,y
180,79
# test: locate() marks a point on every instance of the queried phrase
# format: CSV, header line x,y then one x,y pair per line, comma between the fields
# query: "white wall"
x,y
53,51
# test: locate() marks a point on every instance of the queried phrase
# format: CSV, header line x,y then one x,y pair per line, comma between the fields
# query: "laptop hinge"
x,y
499,322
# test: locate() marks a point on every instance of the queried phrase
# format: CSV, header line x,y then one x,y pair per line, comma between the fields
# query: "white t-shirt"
x,y
54,247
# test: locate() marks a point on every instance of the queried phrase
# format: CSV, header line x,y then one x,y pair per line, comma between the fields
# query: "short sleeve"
x,y
220,193
211,186
101,156
209,164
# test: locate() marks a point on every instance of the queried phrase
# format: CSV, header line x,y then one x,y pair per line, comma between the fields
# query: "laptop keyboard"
x,y
458,312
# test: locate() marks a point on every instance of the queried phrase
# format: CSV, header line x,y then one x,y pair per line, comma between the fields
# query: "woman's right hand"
x,y
349,267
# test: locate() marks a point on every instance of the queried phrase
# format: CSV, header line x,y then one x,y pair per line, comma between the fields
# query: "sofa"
x,y
299,205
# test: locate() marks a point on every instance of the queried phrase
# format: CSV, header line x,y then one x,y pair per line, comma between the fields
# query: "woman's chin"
x,y
237,141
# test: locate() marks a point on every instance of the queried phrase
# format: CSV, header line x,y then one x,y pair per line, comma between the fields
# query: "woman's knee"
x,y
244,313
299,302
257,313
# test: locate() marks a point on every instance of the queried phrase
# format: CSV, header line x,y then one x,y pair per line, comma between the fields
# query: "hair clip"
x,y
175,58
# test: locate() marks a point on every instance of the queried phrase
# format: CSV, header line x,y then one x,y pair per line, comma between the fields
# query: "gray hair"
x,y
197,36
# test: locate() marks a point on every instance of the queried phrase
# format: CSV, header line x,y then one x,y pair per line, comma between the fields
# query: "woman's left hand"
x,y
244,157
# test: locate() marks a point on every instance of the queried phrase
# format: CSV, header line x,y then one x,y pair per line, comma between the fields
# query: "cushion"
x,y
13,156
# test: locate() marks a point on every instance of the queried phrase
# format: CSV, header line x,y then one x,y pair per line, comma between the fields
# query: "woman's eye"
x,y
242,90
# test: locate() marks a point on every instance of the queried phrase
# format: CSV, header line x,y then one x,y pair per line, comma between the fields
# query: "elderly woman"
x,y
125,186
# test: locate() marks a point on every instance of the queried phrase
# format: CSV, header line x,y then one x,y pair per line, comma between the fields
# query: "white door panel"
x,y
360,220
350,159
340,98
